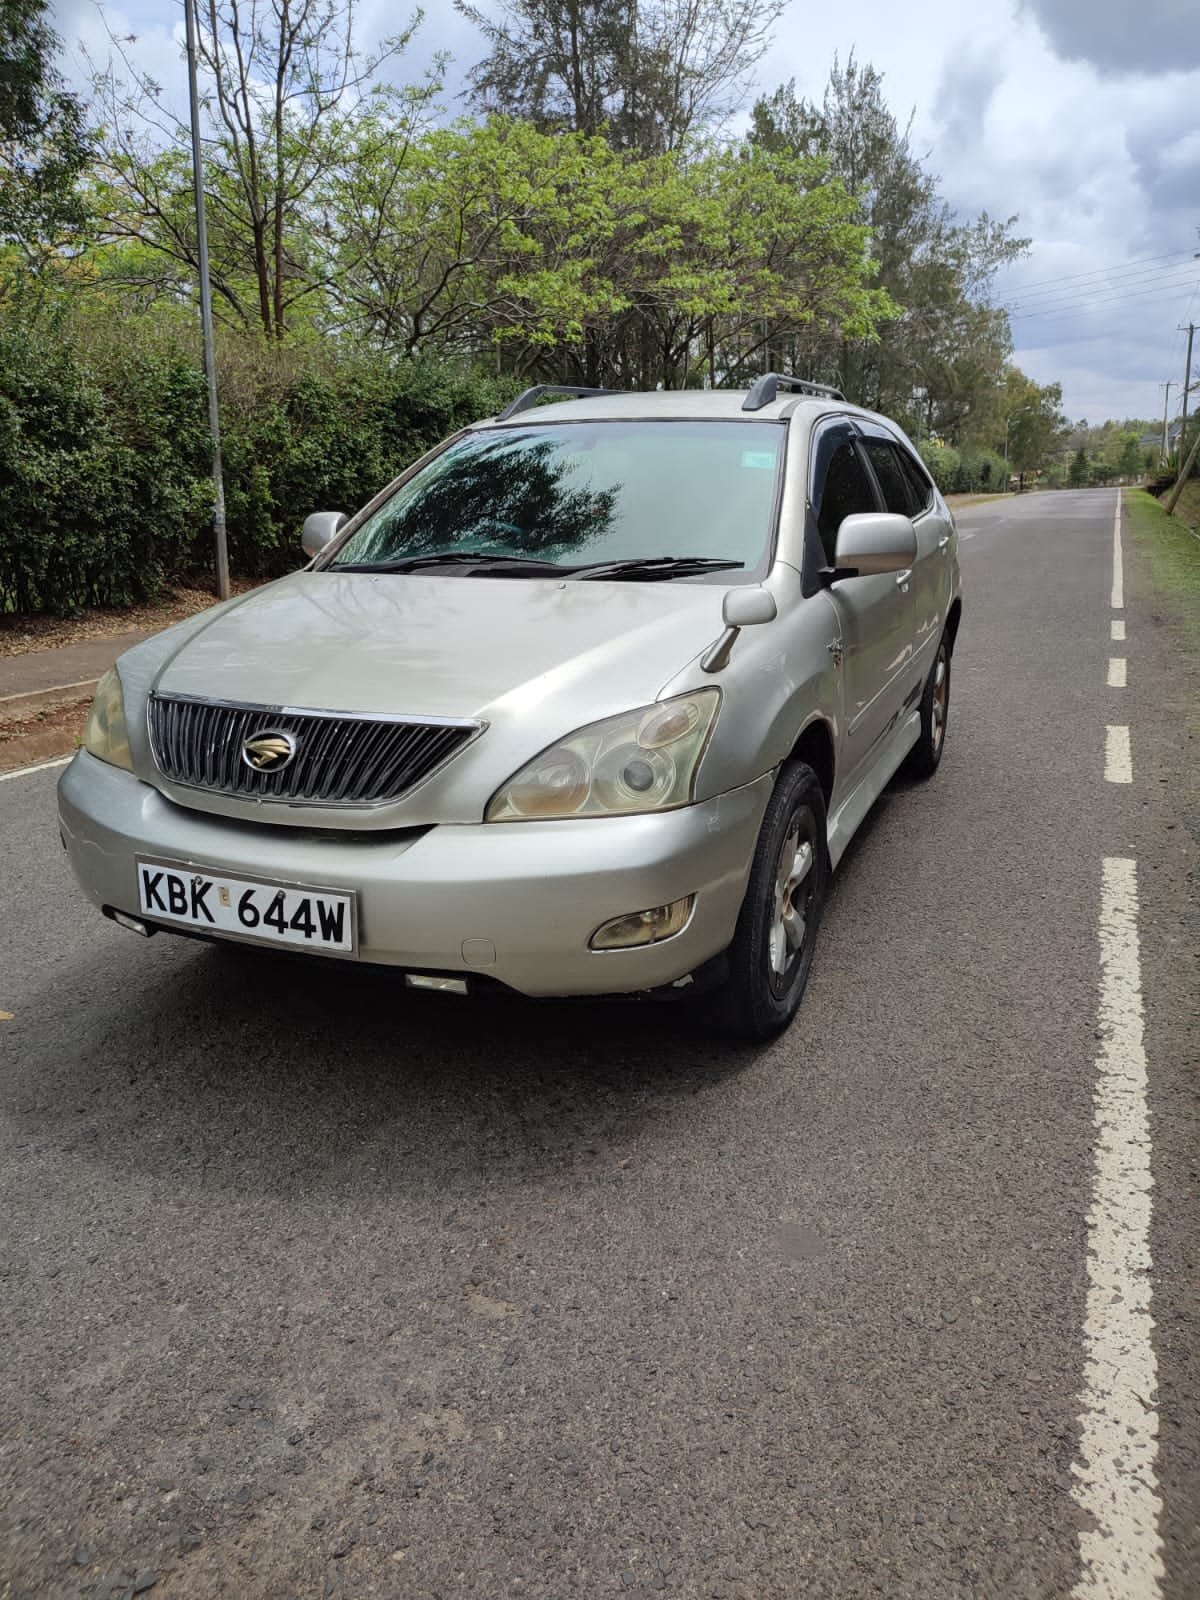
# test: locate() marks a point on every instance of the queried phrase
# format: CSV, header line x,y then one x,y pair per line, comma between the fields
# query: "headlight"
x,y
106,736
643,760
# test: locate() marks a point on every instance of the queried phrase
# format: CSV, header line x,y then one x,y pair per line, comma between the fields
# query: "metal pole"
x,y
1187,384
210,360
1166,400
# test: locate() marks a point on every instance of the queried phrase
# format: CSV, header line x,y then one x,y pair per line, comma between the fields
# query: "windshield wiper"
x,y
502,566
648,568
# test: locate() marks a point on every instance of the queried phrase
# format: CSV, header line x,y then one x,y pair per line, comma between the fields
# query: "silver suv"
x,y
590,700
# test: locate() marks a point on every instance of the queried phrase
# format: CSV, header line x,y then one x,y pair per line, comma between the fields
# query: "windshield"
x,y
577,494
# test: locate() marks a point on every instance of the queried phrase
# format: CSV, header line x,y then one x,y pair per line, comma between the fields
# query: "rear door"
x,y
906,487
876,614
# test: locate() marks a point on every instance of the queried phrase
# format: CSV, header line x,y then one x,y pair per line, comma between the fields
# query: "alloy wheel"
x,y
793,891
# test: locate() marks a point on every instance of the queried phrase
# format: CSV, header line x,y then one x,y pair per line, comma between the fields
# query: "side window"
x,y
918,479
898,492
840,486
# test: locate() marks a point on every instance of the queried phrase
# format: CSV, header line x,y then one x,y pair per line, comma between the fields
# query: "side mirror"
x,y
320,528
741,608
874,542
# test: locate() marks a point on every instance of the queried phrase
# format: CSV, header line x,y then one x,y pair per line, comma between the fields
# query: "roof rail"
x,y
531,396
764,389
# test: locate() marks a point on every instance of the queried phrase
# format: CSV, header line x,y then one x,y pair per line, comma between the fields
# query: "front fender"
x,y
780,676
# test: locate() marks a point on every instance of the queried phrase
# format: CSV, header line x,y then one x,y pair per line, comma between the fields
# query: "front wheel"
x,y
772,950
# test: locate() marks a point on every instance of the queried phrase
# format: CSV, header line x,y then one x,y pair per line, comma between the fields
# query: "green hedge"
x,y
104,456
966,471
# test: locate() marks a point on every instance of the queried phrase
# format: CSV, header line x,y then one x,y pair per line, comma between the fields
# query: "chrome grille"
x,y
340,760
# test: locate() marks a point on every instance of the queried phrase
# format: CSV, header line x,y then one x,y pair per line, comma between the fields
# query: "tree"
x,y
556,254
646,72
1034,424
282,85
936,366
1079,473
43,145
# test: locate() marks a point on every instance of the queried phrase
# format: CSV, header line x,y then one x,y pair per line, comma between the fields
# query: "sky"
x,y
1081,118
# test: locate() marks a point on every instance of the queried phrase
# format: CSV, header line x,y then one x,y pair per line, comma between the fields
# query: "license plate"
x,y
248,908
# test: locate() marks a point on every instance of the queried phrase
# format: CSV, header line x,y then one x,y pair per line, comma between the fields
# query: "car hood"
x,y
414,645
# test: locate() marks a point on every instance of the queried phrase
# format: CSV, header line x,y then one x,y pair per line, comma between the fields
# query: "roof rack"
x,y
764,389
532,396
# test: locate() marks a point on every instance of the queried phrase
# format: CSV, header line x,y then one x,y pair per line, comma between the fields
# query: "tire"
x,y
925,756
768,971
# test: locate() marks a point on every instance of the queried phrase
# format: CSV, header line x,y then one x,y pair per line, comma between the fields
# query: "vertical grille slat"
x,y
339,761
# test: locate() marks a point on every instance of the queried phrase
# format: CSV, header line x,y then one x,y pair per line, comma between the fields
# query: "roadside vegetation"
x,y
1172,547
385,267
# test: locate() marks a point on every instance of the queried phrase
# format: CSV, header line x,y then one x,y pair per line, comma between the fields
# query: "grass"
x,y
1173,552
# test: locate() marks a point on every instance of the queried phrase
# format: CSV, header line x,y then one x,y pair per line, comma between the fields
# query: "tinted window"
x,y
840,491
898,492
918,478
585,492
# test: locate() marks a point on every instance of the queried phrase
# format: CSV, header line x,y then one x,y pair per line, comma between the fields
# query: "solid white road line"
x,y
1118,762
1116,672
1118,583
1116,1482
1117,628
42,766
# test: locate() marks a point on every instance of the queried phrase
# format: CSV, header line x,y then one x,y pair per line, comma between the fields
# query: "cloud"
x,y
1120,39
963,98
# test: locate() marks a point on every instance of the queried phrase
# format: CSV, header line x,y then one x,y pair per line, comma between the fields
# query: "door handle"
x,y
903,577
943,541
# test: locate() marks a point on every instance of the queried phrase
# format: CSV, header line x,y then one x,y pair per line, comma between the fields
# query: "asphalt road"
x,y
309,1287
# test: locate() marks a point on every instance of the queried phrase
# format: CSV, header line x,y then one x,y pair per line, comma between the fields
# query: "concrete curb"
x,y
17,707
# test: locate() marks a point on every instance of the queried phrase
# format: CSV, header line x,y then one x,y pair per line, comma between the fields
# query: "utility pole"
x,y
1166,400
1187,386
1187,466
206,322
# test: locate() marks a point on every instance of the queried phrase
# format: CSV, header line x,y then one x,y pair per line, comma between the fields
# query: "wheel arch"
x,y
815,747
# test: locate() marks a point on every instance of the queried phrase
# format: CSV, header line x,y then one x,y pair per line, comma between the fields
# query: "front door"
x,y
876,614
906,488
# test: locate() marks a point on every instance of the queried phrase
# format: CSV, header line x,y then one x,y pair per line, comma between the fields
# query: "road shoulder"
x,y
1163,711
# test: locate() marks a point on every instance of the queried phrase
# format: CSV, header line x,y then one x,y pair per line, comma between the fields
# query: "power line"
x,y
1099,272
1120,280
1082,307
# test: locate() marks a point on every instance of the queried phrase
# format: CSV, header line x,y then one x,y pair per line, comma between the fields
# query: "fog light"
x,y
644,927
421,980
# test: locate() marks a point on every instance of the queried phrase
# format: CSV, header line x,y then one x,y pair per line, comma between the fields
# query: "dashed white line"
x,y
1115,1474
1118,761
1116,672
1118,581
42,766
1117,628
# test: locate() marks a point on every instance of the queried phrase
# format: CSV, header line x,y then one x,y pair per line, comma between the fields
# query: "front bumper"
x,y
532,893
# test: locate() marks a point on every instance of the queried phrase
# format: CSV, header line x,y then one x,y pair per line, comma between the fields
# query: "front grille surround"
x,y
344,759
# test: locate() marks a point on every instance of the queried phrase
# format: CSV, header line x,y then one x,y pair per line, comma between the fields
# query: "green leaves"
x,y
558,246
43,148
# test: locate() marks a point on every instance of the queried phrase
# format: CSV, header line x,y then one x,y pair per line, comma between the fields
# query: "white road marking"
x,y
1118,761
1117,628
1115,1473
964,536
1116,672
1118,583
42,766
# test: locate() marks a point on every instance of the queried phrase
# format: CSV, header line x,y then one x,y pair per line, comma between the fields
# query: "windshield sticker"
x,y
763,459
